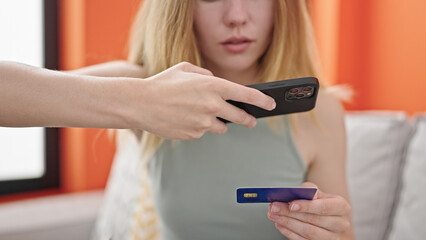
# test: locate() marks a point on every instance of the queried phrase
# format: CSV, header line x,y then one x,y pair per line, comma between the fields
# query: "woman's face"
x,y
233,34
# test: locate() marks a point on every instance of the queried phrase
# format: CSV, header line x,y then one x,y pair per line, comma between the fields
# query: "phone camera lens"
x,y
294,90
307,89
300,95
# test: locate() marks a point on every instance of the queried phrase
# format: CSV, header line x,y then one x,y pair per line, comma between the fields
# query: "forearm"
x,y
31,96
112,69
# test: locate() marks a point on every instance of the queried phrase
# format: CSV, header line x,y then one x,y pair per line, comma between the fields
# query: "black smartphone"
x,y
291,96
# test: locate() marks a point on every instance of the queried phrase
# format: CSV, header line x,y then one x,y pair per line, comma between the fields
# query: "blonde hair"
x,y
163,36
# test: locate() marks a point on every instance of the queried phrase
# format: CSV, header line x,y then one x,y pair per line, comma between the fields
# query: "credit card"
x,y
287,194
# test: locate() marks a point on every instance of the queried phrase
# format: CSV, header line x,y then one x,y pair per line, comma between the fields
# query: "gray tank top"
x,y
194,182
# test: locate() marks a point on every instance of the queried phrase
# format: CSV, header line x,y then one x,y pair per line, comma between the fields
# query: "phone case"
x,y
279,90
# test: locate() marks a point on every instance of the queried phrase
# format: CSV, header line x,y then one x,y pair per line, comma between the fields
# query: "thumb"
x,y
312,185
188,67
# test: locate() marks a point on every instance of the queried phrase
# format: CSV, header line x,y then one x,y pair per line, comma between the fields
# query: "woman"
x,y
194,182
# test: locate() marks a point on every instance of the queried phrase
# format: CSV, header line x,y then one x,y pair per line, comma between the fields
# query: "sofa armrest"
x,y
69,216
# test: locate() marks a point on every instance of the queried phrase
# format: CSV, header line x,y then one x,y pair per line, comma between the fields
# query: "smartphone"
x,y
291,96
286,194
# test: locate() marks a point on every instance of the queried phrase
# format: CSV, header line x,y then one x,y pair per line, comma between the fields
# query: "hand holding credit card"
x,y
287,194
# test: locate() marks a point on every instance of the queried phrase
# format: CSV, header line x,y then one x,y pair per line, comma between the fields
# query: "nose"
x,y
236,13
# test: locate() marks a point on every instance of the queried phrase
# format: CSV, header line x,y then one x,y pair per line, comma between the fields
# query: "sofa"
x,y
386,174
386,177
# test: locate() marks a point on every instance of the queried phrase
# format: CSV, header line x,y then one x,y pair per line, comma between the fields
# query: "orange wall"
x,y
325,18
377,47
397,77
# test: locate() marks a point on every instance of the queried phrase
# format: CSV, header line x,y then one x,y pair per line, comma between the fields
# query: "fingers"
x,y
302,229
331,206
323,204
218,127
237,115
294,228
201,127
219,90
332,223
240,93
287,233
233,91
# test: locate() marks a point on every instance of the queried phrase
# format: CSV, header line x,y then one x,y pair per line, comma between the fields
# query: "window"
x,y
29,157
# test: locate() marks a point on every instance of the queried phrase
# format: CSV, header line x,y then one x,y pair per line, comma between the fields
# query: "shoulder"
x,y
327,114
322,130
329,111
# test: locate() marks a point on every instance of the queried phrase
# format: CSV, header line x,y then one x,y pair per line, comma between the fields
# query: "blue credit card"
x,y
288,194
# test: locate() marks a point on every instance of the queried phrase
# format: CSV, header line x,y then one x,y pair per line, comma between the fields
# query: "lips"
x,y
237,44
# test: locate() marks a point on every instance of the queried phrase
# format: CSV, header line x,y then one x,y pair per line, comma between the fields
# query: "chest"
x,y
194,182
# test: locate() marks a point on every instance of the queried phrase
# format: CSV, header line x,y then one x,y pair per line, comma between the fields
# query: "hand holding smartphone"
x,y
291,96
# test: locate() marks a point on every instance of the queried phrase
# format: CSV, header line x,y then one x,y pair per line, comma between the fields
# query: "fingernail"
x,y
294,207
274,104
273,216
275,209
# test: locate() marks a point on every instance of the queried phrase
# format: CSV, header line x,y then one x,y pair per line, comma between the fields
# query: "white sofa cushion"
x,y
409,222
376,143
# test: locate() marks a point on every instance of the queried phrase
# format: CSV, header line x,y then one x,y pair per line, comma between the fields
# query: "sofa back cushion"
x,y
376,143
409,222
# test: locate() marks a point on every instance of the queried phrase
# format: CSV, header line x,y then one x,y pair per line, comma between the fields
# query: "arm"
x,y
328,168
31,96
181,102
328,216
